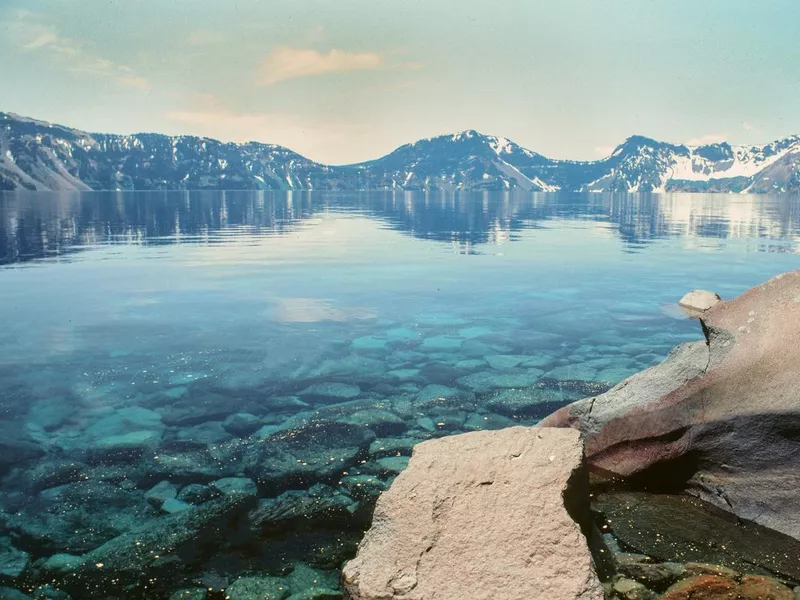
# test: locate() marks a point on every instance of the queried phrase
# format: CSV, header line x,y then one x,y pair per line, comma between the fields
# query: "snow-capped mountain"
x,y
38,155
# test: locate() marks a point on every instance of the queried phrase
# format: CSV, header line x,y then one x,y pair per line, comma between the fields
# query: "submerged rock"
x,y
296,509
317,593
192,466
478,422
391,447
382,422
486,381
703,587
758,587
76,517
304,577
160,493
241,424
257,588
317,452
390,465
173,505
13,563
196,493
48,592
528,402
719,418
330,392
45,474
363,487
436,391
61,563
683,529
480,515
235,485
123,448
132,557
7,593
627,589
695,568
505,361
656,576
189,594
716,587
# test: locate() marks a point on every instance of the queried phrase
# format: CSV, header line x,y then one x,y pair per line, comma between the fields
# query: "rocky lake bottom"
x,y
202,396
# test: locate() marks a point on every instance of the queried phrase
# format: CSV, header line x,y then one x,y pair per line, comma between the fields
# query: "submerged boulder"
x,y
317,452
715,587
16,446
481,515
719,418
672,529
162,546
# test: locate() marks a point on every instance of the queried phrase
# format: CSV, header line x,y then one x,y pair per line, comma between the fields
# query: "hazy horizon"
x,y
351,81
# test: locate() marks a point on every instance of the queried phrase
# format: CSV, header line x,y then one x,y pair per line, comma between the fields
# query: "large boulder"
x,y
719,418
481,515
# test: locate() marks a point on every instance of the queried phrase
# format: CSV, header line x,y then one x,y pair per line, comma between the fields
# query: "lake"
x,y
200,386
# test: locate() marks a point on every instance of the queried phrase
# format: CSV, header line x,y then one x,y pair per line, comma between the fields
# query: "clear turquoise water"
x,y
135,324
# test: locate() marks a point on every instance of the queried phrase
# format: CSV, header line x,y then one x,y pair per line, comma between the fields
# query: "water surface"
x,y
142,331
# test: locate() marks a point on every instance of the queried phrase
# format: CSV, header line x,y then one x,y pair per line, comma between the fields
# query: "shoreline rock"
x,y
481,515
719,419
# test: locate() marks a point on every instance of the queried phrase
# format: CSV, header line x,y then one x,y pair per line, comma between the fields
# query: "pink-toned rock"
x,y
716,587
758,587
719,418
481,516
703,587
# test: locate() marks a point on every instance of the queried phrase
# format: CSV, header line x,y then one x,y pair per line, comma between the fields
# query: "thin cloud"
x,y
310,135
33,34
750,127
46,38
206,116
204,37
708,138
226,125
603,151
286,63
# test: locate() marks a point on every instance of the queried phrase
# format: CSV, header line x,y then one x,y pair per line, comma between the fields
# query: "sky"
x,y
343,81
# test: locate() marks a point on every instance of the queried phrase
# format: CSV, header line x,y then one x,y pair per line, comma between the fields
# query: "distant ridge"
x,y
36,155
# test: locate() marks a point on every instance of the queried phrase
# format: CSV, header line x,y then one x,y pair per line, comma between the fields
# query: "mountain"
x,y
37,155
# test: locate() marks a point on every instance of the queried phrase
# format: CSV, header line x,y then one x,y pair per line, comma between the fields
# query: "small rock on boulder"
x,y
699,301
